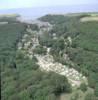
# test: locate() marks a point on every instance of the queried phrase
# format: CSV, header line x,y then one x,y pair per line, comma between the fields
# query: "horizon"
x,y
36,12
11,4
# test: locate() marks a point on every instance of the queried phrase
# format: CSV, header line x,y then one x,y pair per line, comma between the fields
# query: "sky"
x,y
9,4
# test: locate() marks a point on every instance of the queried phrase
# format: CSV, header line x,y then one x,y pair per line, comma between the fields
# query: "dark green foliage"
x,y
21,78
45,39
58,44
10,19
53,19
40,50
34,27
59,30
84,49
51,97
23,62
83,87
9,37
96,89
93,79
10,34
90,96
75,96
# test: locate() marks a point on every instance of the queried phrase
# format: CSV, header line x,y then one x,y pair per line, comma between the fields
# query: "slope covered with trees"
x,y
83,51
72,42
21,78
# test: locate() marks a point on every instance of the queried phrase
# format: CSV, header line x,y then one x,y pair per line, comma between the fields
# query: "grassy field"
x,y
91,17
86,19
8,15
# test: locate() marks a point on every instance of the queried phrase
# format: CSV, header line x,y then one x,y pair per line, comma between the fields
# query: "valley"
x,y
46,61
52,58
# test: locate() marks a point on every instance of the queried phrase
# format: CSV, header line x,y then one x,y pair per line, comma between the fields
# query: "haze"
x,y
9,4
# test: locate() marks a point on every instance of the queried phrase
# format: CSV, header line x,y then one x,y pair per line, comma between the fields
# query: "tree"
x,y
83,87
96,90
75,96
51,97
60,84
24,95
34,27
92,80
59,44
90,96
40,50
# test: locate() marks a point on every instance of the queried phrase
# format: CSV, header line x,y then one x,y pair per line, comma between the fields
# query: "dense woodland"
x,y
84,48
21,78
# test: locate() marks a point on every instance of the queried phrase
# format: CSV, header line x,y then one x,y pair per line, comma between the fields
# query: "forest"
x,y
84,49
21,77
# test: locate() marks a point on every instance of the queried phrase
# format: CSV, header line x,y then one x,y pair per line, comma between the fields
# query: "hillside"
x,y
21,78
82,48
54,58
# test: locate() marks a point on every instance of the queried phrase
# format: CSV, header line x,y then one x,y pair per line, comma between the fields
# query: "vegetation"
x,y
90,96
34,27
83,52
21,78
83,87
40,50
96,90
